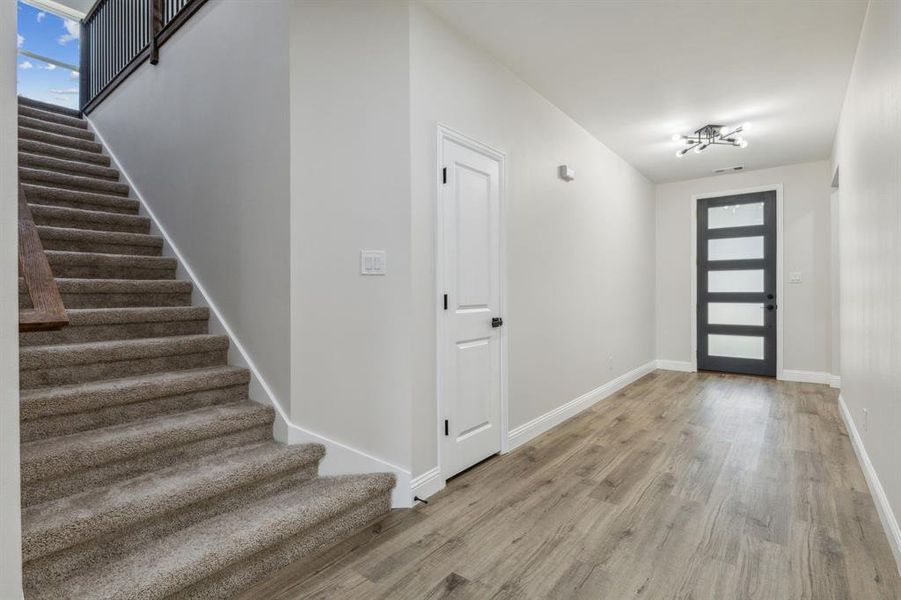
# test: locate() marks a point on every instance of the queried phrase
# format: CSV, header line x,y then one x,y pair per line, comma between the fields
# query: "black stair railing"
x,y
117,36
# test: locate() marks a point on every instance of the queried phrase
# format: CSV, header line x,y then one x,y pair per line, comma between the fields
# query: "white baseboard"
x,y
805,376
675,365
522,434
835,381
886,515
339,458
428,483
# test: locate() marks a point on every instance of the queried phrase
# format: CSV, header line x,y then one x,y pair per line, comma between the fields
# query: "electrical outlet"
x,y
866,419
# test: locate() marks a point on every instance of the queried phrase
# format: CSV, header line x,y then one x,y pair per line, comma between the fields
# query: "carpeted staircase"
x,y
146,470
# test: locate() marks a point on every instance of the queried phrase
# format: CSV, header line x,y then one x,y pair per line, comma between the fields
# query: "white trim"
x,y
428,483
522,434
886,515
447,133
806,376
835,381
57,8
779,260
675,365
339,458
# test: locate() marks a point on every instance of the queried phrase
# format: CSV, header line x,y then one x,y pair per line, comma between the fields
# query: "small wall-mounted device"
x,y
566,173
372,262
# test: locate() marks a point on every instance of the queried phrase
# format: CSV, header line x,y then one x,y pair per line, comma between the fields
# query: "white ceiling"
x,y
635,73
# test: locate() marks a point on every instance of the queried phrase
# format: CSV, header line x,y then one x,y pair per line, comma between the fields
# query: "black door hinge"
x,y
445,301
444,175
446,427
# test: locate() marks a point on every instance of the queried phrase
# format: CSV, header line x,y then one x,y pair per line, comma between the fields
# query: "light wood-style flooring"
x,y
683,485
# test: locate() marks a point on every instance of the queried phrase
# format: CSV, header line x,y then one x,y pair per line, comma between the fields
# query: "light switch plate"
x,y
372,262
794,277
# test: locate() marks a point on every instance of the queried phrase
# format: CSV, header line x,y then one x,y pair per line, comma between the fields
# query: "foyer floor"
x,y
682,485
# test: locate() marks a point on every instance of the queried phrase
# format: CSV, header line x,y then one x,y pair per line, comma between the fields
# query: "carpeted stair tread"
x,y
57,128
43,148
52,117
61,165
52,178
65,522
87,240
176,561
66,454
113,293
99,324
48,107
69,399
79,218
38,135
54,196
36,357
65,263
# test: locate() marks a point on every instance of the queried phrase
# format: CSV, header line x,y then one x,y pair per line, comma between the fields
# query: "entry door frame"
x,y
446,133
780,297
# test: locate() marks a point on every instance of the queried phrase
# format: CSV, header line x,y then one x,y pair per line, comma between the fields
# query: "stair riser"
x,y
68,483
57,165
64,375
81,200
59,140
90,222
88,246
110,272
41,572
43,115
52,150
227,582
56,425
73,182
123,331
57,128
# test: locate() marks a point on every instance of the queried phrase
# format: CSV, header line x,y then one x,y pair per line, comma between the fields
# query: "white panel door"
x,y
471,347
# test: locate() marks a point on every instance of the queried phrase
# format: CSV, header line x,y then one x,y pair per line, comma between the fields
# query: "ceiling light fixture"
x,y
711,135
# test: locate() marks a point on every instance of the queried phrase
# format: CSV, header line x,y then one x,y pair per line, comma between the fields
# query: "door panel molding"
x,y
444,134
738,194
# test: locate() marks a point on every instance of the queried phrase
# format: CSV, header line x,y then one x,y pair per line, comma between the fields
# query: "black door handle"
x,y
497,322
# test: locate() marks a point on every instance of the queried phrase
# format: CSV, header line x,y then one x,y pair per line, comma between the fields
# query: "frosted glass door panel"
x,y
735,346
734,313
735,281
737,215
742,248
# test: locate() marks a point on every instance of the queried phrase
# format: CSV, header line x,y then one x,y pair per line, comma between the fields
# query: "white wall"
x,y
806,306
203,136
868,156
580,255
350,190
10,524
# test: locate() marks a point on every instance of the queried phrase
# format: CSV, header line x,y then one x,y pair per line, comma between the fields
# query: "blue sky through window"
x,y
55,37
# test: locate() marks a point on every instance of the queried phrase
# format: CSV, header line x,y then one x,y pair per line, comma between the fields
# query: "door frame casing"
x,y
780,299
446,133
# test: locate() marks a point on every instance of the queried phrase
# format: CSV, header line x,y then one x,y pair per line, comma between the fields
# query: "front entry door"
x,y
737,284
469,206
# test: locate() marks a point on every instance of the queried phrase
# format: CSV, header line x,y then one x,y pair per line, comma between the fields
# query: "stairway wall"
x,y
350,190
10,523
202,136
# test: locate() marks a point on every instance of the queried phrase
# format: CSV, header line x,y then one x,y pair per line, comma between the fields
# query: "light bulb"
x,y
677,137
724,131
745,126
698,149
743,144
680,153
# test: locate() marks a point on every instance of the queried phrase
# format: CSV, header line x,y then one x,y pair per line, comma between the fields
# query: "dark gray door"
x,y
737,284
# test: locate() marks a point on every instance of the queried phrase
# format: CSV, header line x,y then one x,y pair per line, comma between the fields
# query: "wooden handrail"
x,y
47,311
